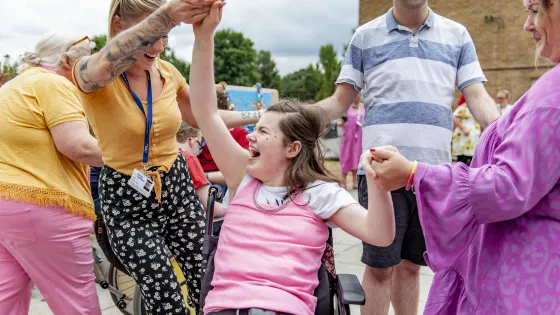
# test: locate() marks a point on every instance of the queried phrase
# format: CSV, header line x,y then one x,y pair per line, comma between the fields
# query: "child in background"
x,y
189,140
205,157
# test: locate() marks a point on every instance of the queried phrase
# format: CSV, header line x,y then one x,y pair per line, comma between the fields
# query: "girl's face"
x,y
269,155
550,26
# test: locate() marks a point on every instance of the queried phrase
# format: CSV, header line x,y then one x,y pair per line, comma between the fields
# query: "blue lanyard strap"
x,y
148,117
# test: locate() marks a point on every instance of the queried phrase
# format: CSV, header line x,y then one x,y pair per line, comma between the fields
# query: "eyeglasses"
x,y
77,42
199,146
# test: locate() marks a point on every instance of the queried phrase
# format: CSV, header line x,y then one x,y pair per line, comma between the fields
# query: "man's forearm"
x,y
337,105
484,111
480,104
332,107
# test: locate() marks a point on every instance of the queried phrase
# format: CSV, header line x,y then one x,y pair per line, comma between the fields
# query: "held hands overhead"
x,y
190,11
206,26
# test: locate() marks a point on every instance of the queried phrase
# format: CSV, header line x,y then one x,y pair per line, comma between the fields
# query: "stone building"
x,y
505,50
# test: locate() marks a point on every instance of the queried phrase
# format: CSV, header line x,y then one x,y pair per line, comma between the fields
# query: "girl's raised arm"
x,y
229,156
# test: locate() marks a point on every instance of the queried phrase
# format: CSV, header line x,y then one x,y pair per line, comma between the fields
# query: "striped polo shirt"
x,y
410,79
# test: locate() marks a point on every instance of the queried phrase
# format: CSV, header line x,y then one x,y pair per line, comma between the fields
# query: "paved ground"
x,y
348,251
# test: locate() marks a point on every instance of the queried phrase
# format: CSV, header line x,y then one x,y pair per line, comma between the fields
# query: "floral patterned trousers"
x,y
140,229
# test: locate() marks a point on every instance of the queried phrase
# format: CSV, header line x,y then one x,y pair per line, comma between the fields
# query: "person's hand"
x,y
392,169
207,26
466,131
368,157
188,11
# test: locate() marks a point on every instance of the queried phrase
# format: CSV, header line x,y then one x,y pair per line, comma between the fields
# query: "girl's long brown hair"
x,y
304,123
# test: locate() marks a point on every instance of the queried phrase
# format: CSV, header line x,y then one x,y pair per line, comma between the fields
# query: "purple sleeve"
x,y
454,199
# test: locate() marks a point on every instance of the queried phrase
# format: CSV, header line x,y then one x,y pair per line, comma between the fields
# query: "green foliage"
x,y
235,59
181,65
9,69
100,42
330,64
303,84
267,69
315,82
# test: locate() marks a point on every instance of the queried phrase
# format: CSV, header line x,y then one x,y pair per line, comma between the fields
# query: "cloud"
x,y
292,30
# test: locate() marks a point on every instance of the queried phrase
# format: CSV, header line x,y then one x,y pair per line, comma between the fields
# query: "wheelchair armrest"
x,y
350,290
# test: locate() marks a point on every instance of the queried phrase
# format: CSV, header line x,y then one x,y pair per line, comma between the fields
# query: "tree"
x,y
181,65
267,69
235,59
9,69
303,84
100,42
331,65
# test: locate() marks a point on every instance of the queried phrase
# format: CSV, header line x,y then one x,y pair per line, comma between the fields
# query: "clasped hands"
x,y
386,167
191,11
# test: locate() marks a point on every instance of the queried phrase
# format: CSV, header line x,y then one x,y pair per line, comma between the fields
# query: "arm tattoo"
x,y
83,75
198,45
250,115
123,51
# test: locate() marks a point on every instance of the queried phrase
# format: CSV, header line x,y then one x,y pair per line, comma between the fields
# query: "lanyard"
x,y
148,117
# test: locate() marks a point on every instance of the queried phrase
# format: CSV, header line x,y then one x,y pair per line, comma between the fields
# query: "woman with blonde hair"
x,y
46,209
135,103
493,229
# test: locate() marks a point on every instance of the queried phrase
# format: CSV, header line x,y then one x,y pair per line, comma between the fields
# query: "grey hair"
x,y
52,50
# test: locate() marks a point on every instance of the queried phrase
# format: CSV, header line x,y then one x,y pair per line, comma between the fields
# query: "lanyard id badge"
x,y
141,182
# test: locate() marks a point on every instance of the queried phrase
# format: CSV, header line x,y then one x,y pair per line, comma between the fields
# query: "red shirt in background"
x,y
205,158
198,177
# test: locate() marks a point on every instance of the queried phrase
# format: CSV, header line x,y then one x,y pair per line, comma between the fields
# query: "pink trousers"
x,y
50,248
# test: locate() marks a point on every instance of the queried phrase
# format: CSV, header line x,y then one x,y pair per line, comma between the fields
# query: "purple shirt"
x,y
493,230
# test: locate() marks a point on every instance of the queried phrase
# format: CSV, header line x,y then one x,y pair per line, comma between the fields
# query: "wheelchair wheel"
x,y
98,269
124,284
339,308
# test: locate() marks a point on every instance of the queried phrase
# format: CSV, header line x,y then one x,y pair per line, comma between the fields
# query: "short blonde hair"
x,y
131,10
53,48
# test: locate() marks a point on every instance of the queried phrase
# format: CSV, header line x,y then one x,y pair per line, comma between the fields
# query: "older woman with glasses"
x,y
46,209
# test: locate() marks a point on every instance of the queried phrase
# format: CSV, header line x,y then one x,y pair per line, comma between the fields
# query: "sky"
x,y
292,30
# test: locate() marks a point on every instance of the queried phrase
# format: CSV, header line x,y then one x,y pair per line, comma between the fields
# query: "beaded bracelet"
x,y
411,177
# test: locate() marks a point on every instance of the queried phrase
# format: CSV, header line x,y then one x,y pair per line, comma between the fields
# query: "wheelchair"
x,y
335,292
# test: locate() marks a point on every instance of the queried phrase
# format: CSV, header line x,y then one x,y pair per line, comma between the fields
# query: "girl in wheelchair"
x,y
282,198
